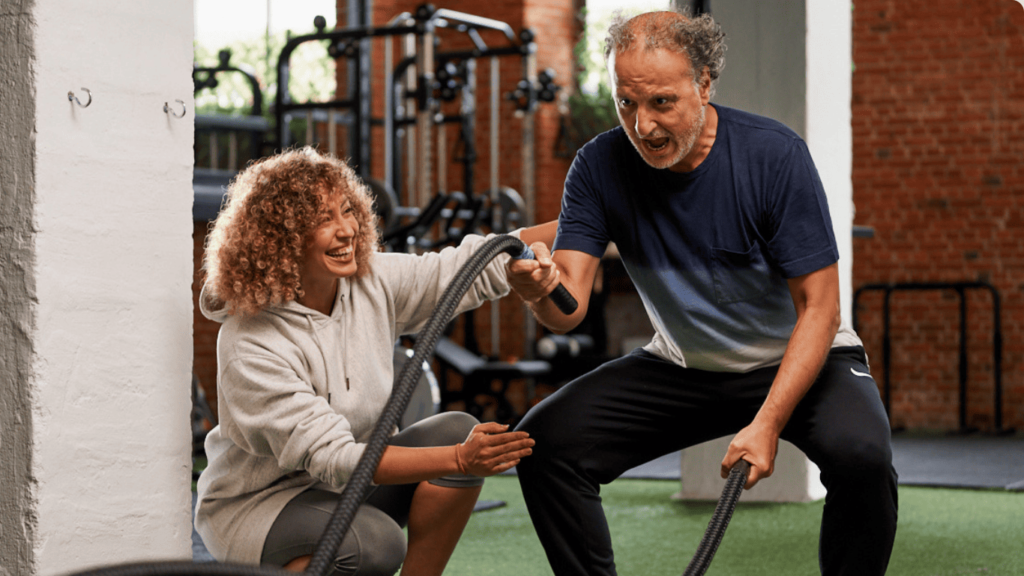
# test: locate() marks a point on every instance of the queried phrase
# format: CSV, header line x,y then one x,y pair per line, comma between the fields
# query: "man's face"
x,y
658,104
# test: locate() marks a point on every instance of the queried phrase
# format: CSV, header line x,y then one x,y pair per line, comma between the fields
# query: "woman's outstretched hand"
x,y
491,450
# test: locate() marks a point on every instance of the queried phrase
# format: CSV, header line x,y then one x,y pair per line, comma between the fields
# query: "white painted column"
x,y
829,131
795,478
104,306
791,61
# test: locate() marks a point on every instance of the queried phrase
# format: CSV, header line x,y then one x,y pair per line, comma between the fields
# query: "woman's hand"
x,y
490,450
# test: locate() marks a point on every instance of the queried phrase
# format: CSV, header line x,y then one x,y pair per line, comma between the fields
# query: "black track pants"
x,y
639,407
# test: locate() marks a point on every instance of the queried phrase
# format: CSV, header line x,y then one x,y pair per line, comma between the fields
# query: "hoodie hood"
x,y
212,309
291,311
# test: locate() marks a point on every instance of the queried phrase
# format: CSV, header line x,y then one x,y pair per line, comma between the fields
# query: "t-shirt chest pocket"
x,y
739,276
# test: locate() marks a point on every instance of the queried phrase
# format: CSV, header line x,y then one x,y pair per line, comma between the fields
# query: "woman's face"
x,y
330,251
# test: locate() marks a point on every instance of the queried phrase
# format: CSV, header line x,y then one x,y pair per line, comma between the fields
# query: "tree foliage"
x,y
312,73
591,108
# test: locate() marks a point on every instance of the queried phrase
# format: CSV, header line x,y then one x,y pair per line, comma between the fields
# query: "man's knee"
x,y
552,421
541,427
559,445
861,459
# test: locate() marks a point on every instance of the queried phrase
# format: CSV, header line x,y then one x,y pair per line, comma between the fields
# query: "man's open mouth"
x,y
656,144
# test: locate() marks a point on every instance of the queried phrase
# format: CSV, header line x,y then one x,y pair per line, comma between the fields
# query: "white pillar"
x,y
789,60
795,478
97,309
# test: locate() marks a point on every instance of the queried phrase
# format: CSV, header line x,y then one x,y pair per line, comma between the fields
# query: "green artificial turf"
x,y
941,533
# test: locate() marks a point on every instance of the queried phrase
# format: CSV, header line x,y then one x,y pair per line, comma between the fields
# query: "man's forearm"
x,y
533,281
540,233
804,357
553,319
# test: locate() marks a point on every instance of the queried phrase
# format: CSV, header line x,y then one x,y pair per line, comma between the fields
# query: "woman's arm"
x,y
417,282
488,450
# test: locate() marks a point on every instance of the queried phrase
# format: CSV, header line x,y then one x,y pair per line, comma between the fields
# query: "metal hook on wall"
x,y
73,98
167,109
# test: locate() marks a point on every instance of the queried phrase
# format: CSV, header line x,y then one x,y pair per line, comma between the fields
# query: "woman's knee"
x,y
444,429
376,546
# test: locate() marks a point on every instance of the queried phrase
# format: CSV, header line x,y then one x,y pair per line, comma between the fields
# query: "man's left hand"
x,y
756,444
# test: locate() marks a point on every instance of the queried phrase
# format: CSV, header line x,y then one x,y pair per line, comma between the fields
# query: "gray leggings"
x,y
375,544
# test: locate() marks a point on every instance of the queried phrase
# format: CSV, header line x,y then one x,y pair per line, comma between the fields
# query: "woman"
x,y
310,311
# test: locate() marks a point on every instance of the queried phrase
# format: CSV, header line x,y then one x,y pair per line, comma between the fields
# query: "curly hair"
x,y
254,251
700,38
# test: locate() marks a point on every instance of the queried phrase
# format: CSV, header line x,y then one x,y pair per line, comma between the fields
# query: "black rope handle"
x,y
560,295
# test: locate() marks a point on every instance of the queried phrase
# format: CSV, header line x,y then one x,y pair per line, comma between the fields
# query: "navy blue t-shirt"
x,y
709,250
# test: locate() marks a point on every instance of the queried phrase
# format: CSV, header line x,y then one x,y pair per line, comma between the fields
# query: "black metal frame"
x,y
209,183
350,42
997,340
255,127
465,120
345,42
224,56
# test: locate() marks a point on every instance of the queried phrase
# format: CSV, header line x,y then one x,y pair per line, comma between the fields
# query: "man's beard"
x,y
684,142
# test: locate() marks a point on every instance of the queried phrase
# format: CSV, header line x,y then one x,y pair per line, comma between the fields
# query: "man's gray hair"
x,y
699,37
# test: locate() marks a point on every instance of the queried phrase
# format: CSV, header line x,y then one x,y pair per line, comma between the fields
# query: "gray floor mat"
x,y
960,461
923,460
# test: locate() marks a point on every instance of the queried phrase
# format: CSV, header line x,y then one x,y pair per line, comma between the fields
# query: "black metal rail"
x,y
960,288
349,42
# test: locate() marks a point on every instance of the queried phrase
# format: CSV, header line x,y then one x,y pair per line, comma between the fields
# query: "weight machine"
x,y
414,89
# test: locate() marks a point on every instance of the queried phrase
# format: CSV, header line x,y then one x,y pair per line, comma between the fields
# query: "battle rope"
x,y
353,493
719,520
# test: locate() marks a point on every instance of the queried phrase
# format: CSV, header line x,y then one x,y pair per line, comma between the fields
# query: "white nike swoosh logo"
x,y
855,373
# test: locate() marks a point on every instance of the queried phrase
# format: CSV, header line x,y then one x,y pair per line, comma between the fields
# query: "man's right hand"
x,y
534,279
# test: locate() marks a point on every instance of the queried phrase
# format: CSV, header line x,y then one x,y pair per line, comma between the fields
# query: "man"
x,y
722,223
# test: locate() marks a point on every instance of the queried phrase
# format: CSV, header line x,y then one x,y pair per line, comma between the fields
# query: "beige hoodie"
x,y
299,392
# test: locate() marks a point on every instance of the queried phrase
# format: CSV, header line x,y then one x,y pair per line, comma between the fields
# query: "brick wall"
x,y
938,136
204,332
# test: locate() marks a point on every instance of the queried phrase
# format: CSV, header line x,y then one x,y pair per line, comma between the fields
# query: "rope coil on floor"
x,y
353,493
